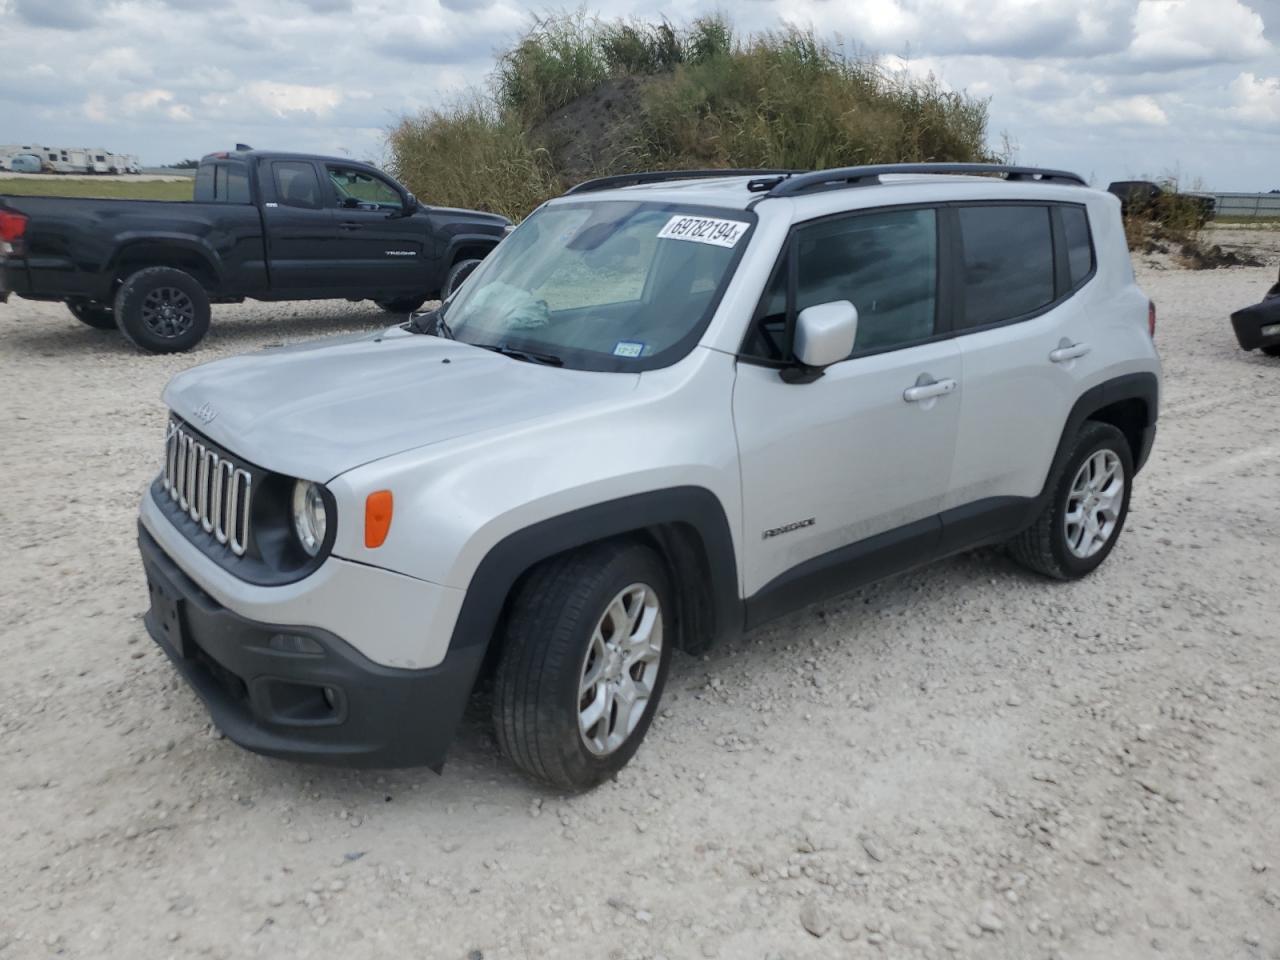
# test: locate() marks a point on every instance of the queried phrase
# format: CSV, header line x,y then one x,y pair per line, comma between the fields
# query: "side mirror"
x,y
825,333
410,204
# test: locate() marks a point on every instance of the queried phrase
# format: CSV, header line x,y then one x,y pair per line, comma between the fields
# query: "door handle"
x,y
1069,351
927,391
349,225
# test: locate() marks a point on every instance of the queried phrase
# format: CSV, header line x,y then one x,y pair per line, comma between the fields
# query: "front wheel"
x,y
162,310
1087,508
402,304
457,274
92,313
585,656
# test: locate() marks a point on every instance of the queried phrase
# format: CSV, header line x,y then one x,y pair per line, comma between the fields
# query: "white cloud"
x,y
283,99
1020,28
1142,110
1257,99
138,103
1176,33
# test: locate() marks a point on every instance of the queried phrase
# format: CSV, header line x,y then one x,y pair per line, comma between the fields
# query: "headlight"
x,y
309,520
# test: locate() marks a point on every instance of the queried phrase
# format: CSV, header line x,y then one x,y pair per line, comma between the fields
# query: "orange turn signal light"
x,y
377,518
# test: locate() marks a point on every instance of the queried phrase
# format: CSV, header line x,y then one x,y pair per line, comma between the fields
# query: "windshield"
x,y
610,285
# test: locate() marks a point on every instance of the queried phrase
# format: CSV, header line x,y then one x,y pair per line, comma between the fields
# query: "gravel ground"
x,y
965,761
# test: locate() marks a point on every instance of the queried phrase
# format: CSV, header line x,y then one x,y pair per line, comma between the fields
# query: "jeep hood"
x,y
319,409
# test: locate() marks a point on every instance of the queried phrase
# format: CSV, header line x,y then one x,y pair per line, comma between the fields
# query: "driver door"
x,y
382,252
843,476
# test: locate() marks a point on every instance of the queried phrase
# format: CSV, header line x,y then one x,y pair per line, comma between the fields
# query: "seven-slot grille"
x,y
209,487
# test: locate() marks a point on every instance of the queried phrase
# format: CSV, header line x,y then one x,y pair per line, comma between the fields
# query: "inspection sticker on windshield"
x,y
628,348
721,233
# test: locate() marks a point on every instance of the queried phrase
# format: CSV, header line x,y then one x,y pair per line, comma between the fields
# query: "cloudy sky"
x,y
1111,88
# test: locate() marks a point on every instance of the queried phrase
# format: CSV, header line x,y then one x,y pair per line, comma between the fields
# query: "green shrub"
x,y
670,97
472,156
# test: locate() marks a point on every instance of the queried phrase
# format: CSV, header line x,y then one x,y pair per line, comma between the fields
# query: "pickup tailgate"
x,y
78,247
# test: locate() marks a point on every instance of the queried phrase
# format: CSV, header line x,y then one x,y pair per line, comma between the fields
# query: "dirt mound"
x,y
1199,257
591,135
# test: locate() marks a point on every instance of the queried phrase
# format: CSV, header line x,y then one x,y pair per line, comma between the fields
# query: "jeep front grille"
x,y
210,488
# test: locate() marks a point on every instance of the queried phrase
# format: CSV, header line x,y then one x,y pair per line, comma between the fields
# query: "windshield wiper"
x,y
528,356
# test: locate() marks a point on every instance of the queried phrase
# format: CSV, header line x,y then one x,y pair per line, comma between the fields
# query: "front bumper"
x,y
311,696
1248,324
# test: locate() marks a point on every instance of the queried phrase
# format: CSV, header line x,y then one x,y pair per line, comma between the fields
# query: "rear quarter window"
x,y
1075,228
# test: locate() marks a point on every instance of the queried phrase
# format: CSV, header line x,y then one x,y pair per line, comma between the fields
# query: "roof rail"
x,y
661,176
870,175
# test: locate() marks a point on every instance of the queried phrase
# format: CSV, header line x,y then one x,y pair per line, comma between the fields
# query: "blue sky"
x,y
1111,88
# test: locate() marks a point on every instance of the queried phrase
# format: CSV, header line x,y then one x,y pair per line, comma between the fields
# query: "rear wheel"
x,y
586,652
1087,509
92,313
162,310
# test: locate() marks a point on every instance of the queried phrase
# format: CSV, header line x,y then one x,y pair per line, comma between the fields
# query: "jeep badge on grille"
x,y
206,412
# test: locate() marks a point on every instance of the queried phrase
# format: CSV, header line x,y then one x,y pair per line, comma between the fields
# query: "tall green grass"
x,y
706,98
94,187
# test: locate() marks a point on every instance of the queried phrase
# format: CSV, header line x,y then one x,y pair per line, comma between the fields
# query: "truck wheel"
x,y
162,310
457,273
1087,509
586,649
92,313
403,305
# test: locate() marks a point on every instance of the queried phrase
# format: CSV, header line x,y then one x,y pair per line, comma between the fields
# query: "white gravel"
x,y
966,761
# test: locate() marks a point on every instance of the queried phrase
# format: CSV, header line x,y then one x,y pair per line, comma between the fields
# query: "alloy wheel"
x,y
620,669
1094,503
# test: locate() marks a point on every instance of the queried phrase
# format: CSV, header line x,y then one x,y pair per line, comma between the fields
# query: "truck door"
x,y
302,238
383,251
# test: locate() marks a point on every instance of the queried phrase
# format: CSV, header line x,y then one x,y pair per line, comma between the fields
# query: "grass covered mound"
x,y
578,97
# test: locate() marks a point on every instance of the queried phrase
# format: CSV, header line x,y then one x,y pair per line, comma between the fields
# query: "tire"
x,y
1064,551
1272,351
549,644
402,305
92,313
162,310
455,277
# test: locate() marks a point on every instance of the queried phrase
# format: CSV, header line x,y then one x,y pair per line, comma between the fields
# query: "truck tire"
x,y
457,273
92,313
162,310
586,648
403,305
1092,487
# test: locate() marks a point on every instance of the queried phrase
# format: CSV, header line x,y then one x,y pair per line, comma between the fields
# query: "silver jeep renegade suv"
x,y
668,407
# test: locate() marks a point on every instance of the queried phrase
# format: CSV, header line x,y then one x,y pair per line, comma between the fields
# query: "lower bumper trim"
x,y
299,692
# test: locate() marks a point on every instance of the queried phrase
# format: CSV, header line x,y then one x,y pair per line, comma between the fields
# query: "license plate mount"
x,y
166,613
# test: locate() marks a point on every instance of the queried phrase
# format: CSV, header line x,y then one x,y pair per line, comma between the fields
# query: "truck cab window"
x,y
296,184
359,190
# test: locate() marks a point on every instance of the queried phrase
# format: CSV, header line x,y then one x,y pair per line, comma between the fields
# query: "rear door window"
x,y
1008,262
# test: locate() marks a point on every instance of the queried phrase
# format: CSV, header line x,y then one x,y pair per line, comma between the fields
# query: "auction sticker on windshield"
x,y
721,233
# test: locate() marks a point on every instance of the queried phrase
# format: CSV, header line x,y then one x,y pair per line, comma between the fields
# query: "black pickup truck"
x,y
262,225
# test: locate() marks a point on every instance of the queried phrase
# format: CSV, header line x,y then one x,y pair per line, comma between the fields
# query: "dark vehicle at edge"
x,y
263,225
1140,198
1258,327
